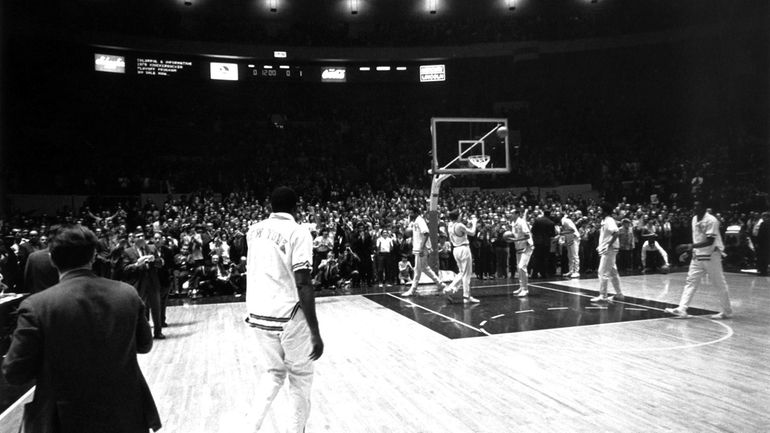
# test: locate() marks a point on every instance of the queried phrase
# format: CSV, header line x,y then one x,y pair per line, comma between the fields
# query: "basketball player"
x,y
608,250
279,299
572,242
458,235
522,241
421,248
707,247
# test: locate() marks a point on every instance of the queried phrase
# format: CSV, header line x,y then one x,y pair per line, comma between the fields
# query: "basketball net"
x,y
479,161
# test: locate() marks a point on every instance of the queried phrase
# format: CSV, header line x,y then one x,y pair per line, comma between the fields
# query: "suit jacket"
x,y
543,229
79,340
144,278
40,273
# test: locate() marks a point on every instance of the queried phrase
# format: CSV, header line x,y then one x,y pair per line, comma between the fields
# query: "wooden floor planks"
x,y
383,372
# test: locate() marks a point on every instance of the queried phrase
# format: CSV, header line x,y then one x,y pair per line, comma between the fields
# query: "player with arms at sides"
x,y
707,247
421,247
572,242
522,241
281,307
458,235
608,250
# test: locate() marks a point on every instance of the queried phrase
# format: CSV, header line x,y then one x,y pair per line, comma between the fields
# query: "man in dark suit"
x,y
139,267
40,274
543,229
79,340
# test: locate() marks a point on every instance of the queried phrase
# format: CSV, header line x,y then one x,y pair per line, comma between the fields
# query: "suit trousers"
x,y
151,299
285,354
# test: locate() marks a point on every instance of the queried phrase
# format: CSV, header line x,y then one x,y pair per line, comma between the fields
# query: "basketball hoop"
x,y
479,161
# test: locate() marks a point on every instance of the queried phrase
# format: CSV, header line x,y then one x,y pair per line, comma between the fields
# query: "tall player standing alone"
x,y
281,307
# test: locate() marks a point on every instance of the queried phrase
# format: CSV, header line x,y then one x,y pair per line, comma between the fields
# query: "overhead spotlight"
x,y
353,7
432,6
511,5
273,5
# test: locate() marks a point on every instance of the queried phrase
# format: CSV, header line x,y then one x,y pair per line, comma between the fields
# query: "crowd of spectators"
x,y
360,235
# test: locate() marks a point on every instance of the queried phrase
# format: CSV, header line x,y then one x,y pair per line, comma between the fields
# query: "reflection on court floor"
x,y
550,305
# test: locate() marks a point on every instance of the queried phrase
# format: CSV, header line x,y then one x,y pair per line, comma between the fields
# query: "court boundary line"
x,y
480,331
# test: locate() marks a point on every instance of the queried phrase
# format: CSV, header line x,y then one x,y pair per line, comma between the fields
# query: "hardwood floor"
x,y
383,372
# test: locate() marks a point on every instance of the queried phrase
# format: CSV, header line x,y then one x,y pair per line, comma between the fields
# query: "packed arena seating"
x,y
205,232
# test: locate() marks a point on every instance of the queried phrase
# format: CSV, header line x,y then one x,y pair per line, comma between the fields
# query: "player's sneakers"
x,y
517,291
575,275
522,293
678,312
600,298
471,300
408,293
721,316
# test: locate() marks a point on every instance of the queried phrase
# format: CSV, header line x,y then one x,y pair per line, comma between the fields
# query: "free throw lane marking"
x,y
440,315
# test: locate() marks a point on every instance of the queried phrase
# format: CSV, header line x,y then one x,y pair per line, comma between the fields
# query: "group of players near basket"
x,y
706,248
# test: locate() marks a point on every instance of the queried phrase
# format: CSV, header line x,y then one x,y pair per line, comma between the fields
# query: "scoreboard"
x,y
276,72
174,66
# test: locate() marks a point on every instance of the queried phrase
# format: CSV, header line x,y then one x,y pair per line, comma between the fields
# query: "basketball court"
x,y
550,362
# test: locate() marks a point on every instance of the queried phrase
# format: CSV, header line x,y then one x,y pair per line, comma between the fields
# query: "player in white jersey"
x,y
572,243
608,251
281,308
707,250
421,247
458,235
522,241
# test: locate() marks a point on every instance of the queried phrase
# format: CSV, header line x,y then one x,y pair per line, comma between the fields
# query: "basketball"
x,y
502,132
665,269
508,236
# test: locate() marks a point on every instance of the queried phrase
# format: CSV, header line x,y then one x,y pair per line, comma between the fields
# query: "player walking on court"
x,y
421,247
281,306
522,241
608,251
707,247
458,235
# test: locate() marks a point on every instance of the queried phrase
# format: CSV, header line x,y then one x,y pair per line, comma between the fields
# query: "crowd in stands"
x,y
360,235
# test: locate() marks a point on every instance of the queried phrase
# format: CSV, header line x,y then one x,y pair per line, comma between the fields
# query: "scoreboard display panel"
x,y
171,66
274,72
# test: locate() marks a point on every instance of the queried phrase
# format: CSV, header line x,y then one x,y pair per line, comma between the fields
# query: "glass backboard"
x,y
466,145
